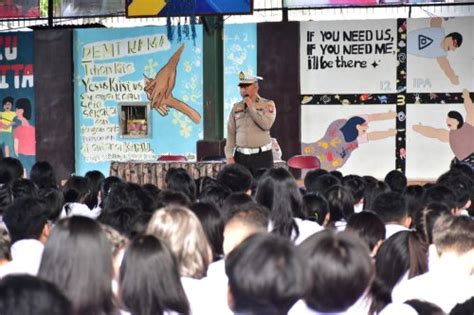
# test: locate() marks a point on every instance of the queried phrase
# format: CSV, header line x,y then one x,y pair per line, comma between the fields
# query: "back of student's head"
x,y
180,180
453,234
28,295
26,218
460,184
169,197
213,225
10,169
311,176
341,203
78,259
43,175
369,227
356,185
235,176
76,189
425,222
181,230
321,183
404,253
95,180
122,195
372,190
277,190
120,219
391,207
415,196
338,270
315,207
443,194
215,193
233,202
149,278
139,224
396,180
248,219
54,199
265,275
106,186
23,187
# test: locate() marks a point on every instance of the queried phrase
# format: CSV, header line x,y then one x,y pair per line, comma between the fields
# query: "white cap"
x,y
248,79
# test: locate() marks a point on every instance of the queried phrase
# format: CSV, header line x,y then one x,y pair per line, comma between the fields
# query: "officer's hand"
x,y
230,160
248,101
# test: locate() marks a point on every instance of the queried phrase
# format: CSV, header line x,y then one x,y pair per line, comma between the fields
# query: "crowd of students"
x,y
237,244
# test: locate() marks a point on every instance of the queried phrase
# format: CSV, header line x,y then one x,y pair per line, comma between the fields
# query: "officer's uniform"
x,y
248,132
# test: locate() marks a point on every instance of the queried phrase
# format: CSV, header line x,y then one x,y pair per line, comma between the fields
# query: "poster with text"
x,y
125,66
240,54
348,56
440,54
434,138
351,139
17,122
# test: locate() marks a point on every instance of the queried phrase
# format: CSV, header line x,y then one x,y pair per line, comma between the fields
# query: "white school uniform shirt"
x,y
391,229
26,258
79,209
360,307
217,285
306,229
206,296
445,285
398,309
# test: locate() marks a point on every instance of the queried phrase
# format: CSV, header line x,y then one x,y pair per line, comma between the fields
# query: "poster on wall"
x,y
240,54
356,139
116,72
19,9
348,56
17,122
437,135
76,8
440,54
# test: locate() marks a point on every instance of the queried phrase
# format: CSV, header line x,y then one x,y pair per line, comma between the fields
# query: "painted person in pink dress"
x,y
343,136
24,135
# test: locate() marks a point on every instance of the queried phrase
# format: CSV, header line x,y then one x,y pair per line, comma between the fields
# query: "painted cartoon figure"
x,y
460,133
343,136
432,42
6,122
24,135
159,90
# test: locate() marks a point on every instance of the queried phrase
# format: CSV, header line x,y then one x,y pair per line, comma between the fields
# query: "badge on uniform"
x,y
270,108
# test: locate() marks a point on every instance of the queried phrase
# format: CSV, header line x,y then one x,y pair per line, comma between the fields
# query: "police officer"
x,y
248,128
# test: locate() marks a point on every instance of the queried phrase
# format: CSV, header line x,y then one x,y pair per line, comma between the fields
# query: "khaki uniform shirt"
x,y
250,128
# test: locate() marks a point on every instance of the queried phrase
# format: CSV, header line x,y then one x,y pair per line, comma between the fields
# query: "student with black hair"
x,y
76,191
169,197
442,194
450,281
43,175
462,187
373,189
341,206
54,199
27,223
316,208
356,184
396,180
237,177
369,227
106,186
79,246
338,272
150,281
392,208
95,180
232,204
10,169
266,276
180,180
28,295
320,183
415,197
216,194
401,257
23,187
277,190
213,225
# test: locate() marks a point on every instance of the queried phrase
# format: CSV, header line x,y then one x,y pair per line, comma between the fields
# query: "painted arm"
x,y
443,62
430,132
382,116
379,135
436,22
468,106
